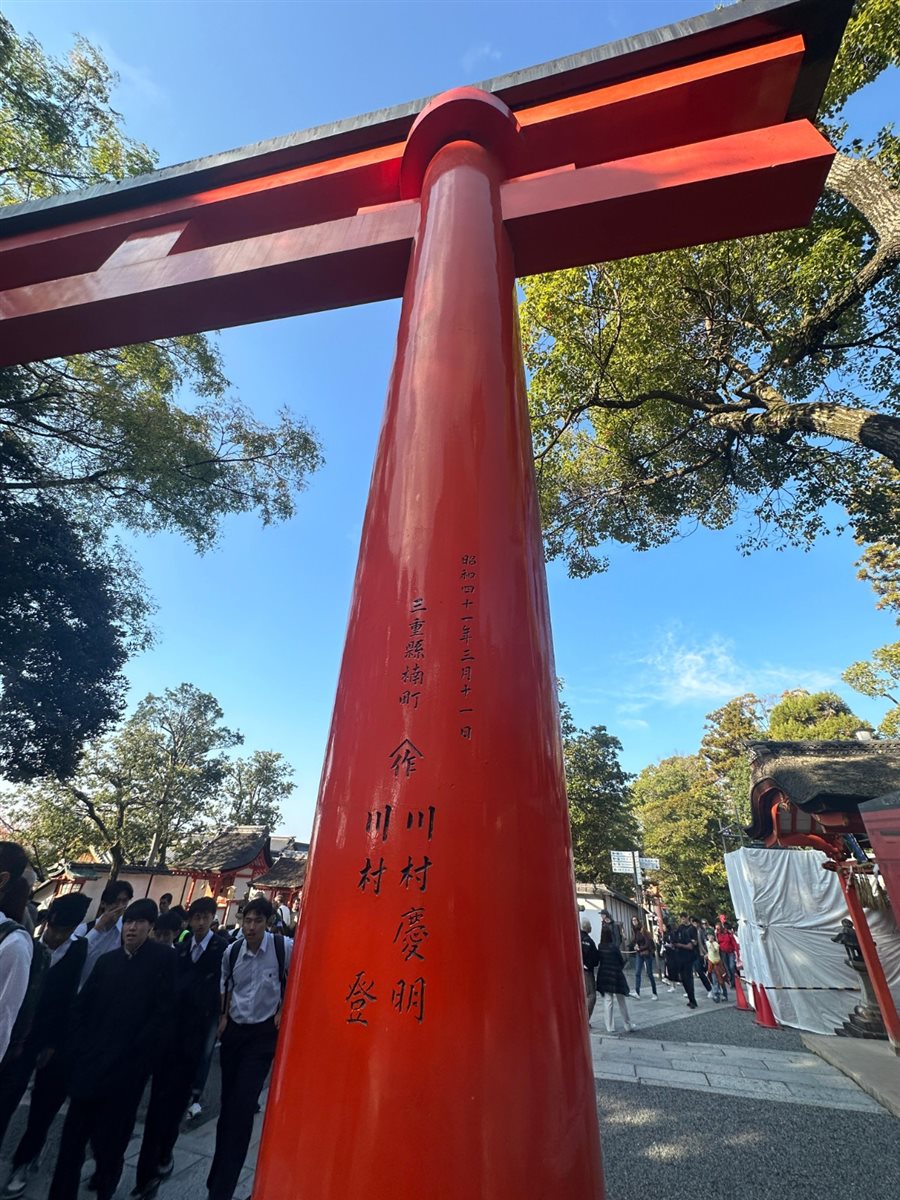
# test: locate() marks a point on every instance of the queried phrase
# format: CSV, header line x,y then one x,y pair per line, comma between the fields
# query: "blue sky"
x,y
649,647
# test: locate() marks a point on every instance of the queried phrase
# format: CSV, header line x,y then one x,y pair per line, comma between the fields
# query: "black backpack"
x,y
40,962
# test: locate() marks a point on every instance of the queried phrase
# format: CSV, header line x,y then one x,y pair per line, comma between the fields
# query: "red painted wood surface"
x,y
697,152
428,1050
882,825
869,952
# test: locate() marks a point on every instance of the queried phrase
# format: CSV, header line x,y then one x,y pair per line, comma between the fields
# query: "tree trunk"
x,y
118,859
860,426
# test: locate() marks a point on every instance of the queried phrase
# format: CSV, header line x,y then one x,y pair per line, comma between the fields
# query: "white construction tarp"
x,y
788,909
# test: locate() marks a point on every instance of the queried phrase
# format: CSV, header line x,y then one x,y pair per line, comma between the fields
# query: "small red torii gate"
x,y
426,1050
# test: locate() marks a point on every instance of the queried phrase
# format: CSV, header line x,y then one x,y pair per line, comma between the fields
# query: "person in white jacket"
x,y
16,946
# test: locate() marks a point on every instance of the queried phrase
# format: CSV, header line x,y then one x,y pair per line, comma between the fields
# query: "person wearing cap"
x,y
119,1025
40,1052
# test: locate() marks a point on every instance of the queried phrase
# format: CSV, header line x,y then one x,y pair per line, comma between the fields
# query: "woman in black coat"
x,y
611,980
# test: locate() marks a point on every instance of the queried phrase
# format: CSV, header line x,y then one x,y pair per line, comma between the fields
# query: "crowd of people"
x,y
680,951
91,1013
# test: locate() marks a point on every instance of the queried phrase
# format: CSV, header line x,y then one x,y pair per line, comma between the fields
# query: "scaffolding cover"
x,y
788,909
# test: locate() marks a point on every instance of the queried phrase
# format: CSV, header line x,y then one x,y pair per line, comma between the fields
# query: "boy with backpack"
x,y
254,970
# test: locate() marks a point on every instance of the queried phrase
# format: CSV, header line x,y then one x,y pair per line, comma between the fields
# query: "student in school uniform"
x,y
105,933
43,1041
198,972
254,970
119,1024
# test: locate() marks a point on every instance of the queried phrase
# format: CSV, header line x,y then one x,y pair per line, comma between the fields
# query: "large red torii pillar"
x,y
427,1050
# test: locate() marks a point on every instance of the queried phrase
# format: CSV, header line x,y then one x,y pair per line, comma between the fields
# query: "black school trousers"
x,y
246,1056
106,1121
170,1094
48,1095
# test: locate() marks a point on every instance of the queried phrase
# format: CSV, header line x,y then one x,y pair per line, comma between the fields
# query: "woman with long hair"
x,y
611,980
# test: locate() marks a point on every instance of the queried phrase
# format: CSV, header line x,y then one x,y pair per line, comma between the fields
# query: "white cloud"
x,y
483,52
633,723
132,78
678,671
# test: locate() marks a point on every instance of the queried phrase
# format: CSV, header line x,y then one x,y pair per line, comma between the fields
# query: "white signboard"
x,y
649,864
622,862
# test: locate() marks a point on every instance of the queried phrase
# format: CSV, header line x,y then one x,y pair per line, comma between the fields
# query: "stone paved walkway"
x,y
771,1064
660,1093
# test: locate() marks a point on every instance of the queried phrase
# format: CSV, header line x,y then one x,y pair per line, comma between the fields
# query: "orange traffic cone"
x,y
739,995
765,1018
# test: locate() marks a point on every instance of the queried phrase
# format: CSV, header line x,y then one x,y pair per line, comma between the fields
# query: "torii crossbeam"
x,y
428,1050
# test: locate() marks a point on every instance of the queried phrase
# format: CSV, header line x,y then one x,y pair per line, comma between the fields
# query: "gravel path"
x,y
664,1142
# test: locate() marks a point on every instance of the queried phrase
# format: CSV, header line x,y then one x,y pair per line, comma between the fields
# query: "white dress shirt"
x,y
100,941
60,951
255,987
15,963
197,948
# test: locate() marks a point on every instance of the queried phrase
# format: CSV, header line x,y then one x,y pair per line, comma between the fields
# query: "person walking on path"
x,y
44,1039
728,946
198,971
642,945
611,980
684,952
669,958
717,973
589,959
118,1029
252,986
700,955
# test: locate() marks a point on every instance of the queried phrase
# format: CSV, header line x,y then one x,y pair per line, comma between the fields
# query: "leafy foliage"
x,y
154,790
600,809
255,788
880,678
750,383
727,734
681,810
145,437
70,609
818,715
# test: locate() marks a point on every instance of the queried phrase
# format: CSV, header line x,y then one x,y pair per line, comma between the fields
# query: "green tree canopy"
x,y
880,678
255,788
154,790
600,809
817,715
681,811
751,382
727,734
147,437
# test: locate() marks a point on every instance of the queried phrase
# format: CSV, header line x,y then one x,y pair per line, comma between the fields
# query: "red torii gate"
x,y
426,1049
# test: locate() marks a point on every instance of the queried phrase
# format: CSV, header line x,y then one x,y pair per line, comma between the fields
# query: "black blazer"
x,y
58,992
122,1018
198,986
